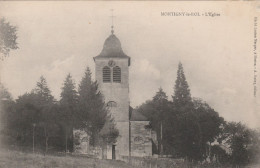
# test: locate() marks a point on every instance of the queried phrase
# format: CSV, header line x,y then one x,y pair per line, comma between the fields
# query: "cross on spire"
x,y
112,17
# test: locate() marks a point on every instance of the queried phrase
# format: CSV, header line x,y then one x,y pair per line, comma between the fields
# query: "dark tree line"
x,y
36,120
189,128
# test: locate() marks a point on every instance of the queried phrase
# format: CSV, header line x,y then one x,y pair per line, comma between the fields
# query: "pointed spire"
x,y
112,30
112,16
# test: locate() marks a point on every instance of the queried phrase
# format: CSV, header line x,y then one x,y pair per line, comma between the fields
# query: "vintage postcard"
x,y
130,84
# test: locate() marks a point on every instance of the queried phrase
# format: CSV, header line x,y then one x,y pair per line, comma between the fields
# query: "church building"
x,y
112,74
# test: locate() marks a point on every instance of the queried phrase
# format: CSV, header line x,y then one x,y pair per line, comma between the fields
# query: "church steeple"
x,y
112,46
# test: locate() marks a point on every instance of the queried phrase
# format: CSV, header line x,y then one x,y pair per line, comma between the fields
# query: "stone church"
x,y
112,74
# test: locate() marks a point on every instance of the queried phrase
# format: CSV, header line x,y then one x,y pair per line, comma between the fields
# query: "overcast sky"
x,y
57,38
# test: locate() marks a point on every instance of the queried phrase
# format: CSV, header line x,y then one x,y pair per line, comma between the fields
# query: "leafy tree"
x,y
209,125
220,154
4,93
92,111
209,122
27,113
8,38
68,109
6,115
157,110
188,125
254,146
242,141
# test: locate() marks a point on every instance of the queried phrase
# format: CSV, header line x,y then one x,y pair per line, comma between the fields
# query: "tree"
x,y
48,110
8,38
242,141
27,113
220,154
7,112
91,107
4,93
157,111
182,97
186,130
196,124
161,107
68,109
209,123
43,92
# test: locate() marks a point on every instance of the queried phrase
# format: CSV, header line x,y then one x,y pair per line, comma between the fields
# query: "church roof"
x,y
112,49
137,116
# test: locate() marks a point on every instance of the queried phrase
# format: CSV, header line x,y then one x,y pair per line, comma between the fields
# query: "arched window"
x,y
106,74
116,74
138,140
111,104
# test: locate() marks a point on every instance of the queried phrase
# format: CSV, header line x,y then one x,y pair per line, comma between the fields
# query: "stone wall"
x,y
141,142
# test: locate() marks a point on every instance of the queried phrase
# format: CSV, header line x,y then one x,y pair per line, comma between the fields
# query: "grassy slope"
x,y
14,159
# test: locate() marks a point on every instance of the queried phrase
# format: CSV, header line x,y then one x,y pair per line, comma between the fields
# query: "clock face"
x,y
111,63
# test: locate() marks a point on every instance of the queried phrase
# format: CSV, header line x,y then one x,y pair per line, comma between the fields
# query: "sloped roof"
x,y
112,49
137,116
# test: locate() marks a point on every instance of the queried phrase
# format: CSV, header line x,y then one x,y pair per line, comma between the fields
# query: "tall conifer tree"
x,y
161,106
46,104
68,107
182,96
185,129
92,108
43,91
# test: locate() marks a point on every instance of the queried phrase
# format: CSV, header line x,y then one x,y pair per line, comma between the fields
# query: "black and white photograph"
x,y
129,84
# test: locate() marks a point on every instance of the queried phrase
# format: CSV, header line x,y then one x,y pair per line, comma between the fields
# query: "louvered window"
x,y
116,74
106,74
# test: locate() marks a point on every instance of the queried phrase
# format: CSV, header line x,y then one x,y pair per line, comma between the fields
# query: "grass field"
x,y
15,159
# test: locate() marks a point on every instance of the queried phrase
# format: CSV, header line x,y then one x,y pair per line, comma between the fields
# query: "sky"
x,y
57,38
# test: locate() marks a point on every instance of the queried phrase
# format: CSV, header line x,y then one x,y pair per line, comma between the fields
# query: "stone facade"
x,y
141,144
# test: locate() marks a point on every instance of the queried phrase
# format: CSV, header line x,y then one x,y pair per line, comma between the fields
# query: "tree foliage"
x,y
197,124
109,132
7,112
68,110
92,109
157,110
242,141
48,111
188,125
8,37
186,139
182,97
37,115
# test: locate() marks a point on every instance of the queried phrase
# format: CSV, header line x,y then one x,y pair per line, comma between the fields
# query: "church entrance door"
x,y
113,152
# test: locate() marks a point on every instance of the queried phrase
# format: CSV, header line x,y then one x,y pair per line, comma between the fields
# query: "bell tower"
x,y
112,75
